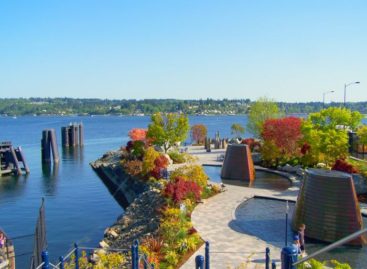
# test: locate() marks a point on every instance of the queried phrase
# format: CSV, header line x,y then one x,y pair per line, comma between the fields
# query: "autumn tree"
x,y
260,111
237,129
198,133
166,130
281,136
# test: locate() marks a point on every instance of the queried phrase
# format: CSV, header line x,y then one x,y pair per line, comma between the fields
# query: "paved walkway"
x,y
216,222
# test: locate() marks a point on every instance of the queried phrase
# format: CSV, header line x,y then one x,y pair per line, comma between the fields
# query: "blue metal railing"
x,y
137,259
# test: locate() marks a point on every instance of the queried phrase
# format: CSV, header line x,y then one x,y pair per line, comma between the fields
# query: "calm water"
x,y
263,180
78,206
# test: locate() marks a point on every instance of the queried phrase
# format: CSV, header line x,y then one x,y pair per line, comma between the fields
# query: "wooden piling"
x,y
45,147
54,148
81,134
48,144
65,136
10,160
21,158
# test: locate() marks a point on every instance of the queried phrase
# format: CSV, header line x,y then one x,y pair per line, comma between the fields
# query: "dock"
x,y
12,160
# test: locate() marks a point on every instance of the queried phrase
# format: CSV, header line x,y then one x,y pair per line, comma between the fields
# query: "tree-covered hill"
x,y
67,106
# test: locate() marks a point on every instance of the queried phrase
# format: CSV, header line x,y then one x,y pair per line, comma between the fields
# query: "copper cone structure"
x,y
327,204
238,163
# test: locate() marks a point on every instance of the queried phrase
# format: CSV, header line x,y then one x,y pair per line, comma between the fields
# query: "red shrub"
x,y
181,189
305,148
138,134
344,166
285,133
156,172
251,143
161,161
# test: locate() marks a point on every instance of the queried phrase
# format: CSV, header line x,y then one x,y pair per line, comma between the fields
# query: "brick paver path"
x,y
216,222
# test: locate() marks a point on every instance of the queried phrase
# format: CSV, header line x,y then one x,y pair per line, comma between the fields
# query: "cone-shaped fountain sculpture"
x,y
238,163
327,204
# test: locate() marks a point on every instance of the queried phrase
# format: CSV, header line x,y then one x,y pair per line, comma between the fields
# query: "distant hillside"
x,y
67,106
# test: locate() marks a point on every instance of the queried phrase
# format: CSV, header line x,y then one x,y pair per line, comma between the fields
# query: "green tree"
x,y
324,133
261,110
332,117
362,135
166,130
237,129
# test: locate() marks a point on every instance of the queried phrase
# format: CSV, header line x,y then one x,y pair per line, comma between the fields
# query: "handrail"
x,y
332,246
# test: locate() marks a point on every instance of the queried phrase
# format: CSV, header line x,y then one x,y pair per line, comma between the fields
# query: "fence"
x,y
137,260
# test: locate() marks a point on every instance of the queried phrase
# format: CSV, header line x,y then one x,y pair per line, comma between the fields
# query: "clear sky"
x,y
186,49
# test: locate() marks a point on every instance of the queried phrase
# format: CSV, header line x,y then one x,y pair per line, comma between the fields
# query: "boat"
x,y
7,254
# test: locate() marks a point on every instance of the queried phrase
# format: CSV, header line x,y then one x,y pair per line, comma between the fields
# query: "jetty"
x,y
12,160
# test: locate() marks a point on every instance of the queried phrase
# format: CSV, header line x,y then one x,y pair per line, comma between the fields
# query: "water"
x,y
264,180
78,205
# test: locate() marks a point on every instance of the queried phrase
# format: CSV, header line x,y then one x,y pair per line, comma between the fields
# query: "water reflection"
x,y
50,172
13,184
73,154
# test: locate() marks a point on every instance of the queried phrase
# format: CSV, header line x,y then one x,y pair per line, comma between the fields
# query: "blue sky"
x,y
190,49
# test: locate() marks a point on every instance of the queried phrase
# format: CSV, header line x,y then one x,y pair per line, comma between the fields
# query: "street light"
x,y
345,90
323,97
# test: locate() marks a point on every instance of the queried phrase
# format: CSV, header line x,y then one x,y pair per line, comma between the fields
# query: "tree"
x,y
285,133
362,135
166,130
324,133
237,129
198,133
332,117
260,111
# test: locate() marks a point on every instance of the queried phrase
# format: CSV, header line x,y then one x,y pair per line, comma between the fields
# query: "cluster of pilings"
x,y
72,135
217,142
10,160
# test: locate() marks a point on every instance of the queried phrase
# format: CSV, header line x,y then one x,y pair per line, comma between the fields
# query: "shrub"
x,y
134,167
271,154
161,161
148,161
344,166
138,134
193,173
180,189
252,143
177,157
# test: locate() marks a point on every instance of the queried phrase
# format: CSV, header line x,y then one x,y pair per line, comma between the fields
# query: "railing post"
x,y
61,259
76,253
132,256
199,262
288,257
46,262
207,255
136,243
267,258
273,265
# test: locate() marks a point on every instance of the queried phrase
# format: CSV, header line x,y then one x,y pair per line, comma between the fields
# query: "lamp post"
x,y
323,97
345,90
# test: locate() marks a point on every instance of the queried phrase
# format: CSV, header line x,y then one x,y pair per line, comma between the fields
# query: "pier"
x,y
12,160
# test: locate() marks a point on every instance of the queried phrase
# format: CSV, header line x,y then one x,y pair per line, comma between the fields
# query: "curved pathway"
x,y
216,222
